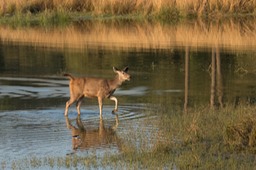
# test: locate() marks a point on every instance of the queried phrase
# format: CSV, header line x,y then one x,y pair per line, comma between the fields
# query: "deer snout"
x,y
128,78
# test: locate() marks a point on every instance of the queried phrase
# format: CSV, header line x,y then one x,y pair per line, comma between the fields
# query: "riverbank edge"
x,y
62,17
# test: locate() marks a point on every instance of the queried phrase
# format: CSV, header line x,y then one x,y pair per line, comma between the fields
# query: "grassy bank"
x,y
200,139
163,9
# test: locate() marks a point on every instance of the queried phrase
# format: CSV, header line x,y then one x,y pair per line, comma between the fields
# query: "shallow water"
x,y
33,122
33,92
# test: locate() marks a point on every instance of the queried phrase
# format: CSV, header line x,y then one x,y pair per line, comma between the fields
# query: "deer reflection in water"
x,y
84,139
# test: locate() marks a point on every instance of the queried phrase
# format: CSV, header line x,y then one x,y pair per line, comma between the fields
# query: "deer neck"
x,y
115,83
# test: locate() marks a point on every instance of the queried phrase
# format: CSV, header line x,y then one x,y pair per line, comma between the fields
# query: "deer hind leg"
x,y
100,106
116,103
68,104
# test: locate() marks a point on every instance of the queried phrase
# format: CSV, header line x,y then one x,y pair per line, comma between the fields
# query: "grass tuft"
x,y
168,14
242,134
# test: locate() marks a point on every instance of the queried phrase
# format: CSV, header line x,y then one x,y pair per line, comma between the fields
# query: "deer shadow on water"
x,y
88,138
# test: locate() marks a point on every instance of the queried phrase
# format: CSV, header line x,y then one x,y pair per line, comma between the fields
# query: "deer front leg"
x,y
100,106
116,102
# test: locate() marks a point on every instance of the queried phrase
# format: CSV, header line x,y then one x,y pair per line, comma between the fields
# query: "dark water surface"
x,y
33,93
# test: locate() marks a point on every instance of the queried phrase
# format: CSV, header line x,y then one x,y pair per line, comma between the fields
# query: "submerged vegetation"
x,y
199,139
164,10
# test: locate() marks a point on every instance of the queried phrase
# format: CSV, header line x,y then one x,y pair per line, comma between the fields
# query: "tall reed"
x,y
144,7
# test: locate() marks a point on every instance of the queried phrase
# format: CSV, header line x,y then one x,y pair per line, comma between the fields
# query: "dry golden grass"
x,y
228,35
198,7
100,6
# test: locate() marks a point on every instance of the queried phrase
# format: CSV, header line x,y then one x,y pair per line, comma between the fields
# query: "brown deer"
x,y
95,87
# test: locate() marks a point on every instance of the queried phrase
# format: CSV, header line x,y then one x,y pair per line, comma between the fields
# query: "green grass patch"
x,y
168,15
45,19
200,139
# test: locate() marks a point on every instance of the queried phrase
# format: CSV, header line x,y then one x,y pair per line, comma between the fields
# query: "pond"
x,y
172,66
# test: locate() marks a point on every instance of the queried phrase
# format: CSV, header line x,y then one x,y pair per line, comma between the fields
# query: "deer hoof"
x,y
114,111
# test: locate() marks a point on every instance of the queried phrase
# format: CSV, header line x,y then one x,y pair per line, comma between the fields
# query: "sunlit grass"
x,y
210,8
197,139
204,138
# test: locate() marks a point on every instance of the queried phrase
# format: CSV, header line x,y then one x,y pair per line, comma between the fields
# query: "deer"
x,y
92,87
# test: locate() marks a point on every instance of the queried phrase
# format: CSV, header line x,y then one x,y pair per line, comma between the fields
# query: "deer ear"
x,y
115,69
126,69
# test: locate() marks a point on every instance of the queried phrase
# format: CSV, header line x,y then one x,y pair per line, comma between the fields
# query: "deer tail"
x,y
68,75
